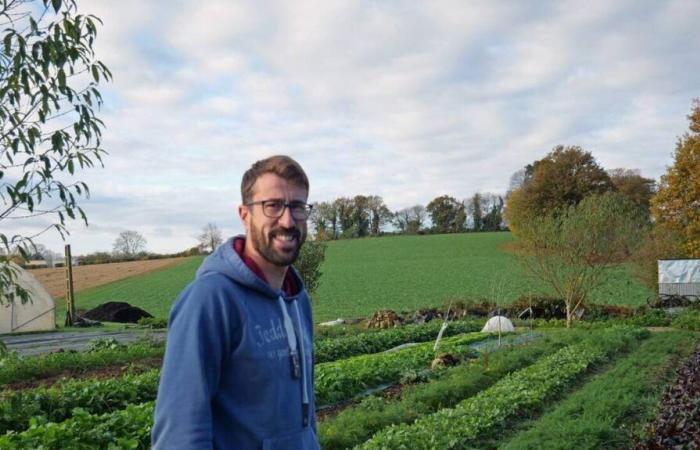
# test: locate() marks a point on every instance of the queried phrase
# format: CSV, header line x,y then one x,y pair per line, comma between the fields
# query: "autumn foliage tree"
x,y
562,178
676,205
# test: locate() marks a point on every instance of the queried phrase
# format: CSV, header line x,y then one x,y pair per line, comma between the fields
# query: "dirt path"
x,y
85,277
39,343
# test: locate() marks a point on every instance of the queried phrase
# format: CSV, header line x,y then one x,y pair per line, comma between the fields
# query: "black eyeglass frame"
x,y
306,208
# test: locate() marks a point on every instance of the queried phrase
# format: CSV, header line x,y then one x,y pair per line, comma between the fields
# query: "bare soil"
x,y
86,277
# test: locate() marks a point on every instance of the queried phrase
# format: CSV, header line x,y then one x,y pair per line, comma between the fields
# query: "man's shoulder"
x,y
210,289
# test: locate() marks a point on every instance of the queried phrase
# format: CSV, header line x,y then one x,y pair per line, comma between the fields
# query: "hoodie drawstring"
x,y
297,366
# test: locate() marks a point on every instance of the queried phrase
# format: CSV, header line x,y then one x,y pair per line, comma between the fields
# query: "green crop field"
x,y
400,273
410,272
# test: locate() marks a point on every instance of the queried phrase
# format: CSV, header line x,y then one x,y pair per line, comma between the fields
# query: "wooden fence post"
x,y
70,300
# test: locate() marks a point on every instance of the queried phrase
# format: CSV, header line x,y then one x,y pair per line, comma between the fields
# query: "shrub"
x,y
309,263
688,320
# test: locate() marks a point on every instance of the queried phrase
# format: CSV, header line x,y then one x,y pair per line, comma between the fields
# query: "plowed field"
x,y
85,277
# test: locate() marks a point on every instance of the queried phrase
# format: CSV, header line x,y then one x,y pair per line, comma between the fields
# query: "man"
x,y
238,368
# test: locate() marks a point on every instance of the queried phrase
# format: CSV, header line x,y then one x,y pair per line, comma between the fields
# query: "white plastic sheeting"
x,y
679,271
498,323
38,314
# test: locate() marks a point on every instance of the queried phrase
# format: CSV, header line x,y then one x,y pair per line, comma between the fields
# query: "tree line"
x,y
368,215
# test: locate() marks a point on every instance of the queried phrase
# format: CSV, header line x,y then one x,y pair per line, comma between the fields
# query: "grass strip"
x,y
126,428
526,389
604,412
15,368
363,343
343,379
56,403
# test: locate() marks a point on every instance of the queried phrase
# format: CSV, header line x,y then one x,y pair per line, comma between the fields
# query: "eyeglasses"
x,y
275,208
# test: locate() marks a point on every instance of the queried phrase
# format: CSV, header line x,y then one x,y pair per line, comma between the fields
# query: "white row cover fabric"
x,y
498,323
679,270
37,314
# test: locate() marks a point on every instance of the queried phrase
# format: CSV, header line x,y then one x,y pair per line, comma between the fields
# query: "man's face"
x,y
279,240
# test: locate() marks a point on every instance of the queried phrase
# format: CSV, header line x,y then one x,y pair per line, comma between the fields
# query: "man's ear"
x,y
244,214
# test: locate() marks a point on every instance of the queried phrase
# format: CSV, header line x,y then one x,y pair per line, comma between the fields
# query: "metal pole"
x,y
70,300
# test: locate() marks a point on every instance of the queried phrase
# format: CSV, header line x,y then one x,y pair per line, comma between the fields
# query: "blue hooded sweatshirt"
x,y
238,367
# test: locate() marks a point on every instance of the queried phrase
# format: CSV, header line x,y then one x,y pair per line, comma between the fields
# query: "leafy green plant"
x,y
14,367
343,379
687,320
128,428
56,403
362,343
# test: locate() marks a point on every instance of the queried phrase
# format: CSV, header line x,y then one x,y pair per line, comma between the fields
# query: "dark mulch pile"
x,y
116,312
678,424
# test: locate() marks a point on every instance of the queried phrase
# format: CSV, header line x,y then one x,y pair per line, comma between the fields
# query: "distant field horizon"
x,y
401,273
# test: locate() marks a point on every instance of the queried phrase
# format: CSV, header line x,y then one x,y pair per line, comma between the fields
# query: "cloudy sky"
x,y
407,100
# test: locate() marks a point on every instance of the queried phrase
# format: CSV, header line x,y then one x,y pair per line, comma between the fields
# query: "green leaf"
x,y
61,78
8,43
95,73
56,5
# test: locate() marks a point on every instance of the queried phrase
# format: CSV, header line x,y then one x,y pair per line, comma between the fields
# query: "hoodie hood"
x,y
224,260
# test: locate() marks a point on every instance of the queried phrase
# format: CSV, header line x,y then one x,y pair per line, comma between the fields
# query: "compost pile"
x,y
384,319
678,423
116,312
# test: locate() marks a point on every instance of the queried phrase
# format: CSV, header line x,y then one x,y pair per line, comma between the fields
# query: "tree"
x,y
410,220
309,262
447,214
40,251
210,237
676,205
492,205
324,219
379,214
129,243
571,250
562,178
634,186
360,216
48,98
476,212
343,207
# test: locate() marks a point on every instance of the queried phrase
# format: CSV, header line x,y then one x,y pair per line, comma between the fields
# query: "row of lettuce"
x,y
456,408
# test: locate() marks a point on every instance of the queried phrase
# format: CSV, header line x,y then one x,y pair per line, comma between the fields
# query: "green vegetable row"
x,y
344,379
100,396
56,403
125,428
606,412
524,390
363,343
356,424
15,368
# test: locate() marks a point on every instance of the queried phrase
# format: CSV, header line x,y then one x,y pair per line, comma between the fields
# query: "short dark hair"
x,y
281,165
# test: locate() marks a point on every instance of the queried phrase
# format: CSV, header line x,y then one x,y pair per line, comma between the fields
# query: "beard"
x,y
264,244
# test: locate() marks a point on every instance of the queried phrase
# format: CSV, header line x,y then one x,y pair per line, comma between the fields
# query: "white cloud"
x,y
404,100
